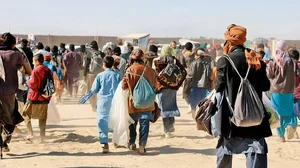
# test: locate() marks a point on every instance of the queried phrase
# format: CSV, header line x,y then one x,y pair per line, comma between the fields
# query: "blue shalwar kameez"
x,y
283,103
104,86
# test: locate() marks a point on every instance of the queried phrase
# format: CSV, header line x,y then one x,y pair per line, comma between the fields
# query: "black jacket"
x,y
227,79
29,55
200,72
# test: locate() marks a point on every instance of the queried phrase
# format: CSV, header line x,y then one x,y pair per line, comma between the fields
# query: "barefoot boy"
x,y
41,88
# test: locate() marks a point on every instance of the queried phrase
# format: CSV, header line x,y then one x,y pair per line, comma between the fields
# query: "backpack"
x,y
205,69
47,88
173,75
96,65
248,109
143,93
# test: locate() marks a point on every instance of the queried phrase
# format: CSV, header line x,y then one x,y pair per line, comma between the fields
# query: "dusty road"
x,y
74,144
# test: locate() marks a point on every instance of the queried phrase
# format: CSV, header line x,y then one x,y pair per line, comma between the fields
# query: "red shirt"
x,y
34,85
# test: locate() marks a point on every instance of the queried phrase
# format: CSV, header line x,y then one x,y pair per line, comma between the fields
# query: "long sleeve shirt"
x,y
106,84
73,62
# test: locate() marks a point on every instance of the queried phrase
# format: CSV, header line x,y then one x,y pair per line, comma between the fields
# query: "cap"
x,y
47,57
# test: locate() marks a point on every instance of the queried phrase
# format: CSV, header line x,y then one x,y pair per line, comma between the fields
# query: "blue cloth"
x,y
54,69
297,108
144,119
85,98
105,86
167,102
196,95
284,105
284,122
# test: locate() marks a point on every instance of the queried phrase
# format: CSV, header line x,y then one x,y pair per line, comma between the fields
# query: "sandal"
x,y
105,148
132,147
142,153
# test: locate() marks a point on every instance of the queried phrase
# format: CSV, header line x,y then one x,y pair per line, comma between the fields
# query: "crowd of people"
x,y
29,79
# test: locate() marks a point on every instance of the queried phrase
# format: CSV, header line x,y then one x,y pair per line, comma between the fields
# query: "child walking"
x,y
41,88
105,86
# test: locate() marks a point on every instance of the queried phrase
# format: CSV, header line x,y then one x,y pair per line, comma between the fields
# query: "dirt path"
x,y
74,143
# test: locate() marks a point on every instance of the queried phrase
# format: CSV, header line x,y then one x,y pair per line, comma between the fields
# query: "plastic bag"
x,y
119,119
275,117
53,116
216,119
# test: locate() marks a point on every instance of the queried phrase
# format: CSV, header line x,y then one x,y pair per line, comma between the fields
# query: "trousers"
x,y
144,120
253,160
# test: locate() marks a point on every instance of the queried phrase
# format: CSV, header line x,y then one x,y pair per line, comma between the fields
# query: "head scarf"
x,y
166,51
280,52
236,35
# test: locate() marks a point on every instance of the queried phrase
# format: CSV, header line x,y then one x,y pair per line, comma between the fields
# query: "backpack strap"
x,y
137,74
234,67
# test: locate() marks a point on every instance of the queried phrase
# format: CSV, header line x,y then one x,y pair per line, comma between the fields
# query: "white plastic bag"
x,y
275,117
53,116
119,119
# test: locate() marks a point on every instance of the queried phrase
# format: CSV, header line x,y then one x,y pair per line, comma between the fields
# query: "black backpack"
x,y
96,65
47,88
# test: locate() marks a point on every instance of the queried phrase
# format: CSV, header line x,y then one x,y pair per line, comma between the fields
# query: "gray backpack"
x,y
248,109
96,65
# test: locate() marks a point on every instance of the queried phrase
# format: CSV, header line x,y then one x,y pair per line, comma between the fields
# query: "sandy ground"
x,y
74,144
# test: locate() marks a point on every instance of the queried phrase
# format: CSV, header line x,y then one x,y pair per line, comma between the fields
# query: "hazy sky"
x,y
160,18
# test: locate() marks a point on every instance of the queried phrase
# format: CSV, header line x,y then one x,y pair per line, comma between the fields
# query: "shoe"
x,y
172,129
116,145
105,148
282,139
296,135
168,135
142,151
290,131
132,147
